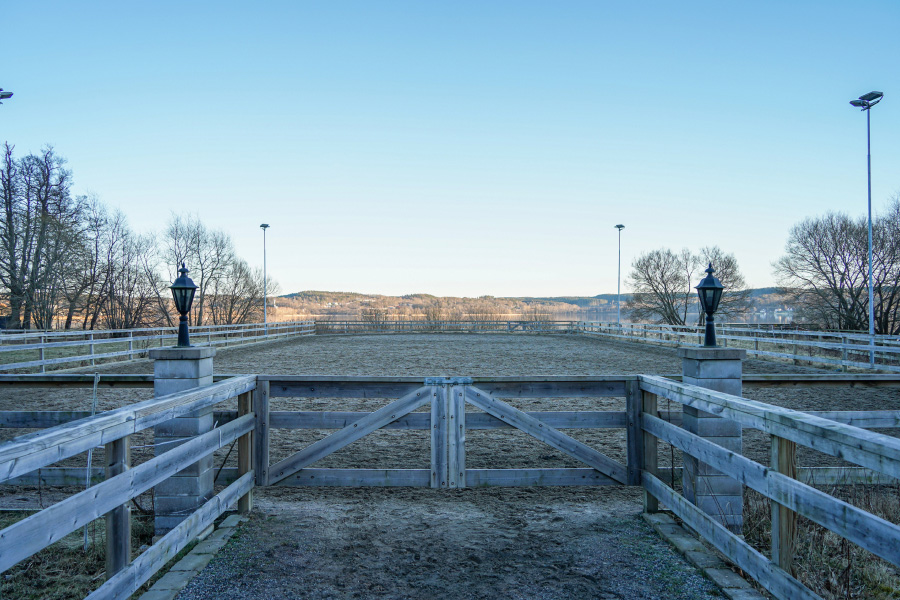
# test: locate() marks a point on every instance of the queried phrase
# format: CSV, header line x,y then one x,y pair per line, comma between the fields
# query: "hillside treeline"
x,y
71,261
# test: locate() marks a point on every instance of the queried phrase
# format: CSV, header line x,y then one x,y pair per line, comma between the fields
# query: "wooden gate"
x,y
448,422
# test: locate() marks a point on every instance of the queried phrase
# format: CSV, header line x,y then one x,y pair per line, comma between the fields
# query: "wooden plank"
x,y
634,443
770,576
245,451
551,389
864,419
537,477
868,449
843,476
341,389
474,420
77,380
821,379
358,478
129,580
456,437
334,442
546,434
650,454
866,530
35,450
24,538
439,463
58,476
39,419
261,433
118,520
784,520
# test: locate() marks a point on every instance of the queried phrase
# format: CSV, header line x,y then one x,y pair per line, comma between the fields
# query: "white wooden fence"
x,y
76,348
837,350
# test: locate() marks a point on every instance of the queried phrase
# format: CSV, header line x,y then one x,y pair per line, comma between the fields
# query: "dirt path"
x,y
420,543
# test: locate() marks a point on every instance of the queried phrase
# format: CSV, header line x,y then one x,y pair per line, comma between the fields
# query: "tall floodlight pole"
x,y
265,226
619,278
866,102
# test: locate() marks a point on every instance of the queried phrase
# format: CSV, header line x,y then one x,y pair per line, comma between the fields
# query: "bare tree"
x,y
662,284
825,270
207,253
237,296
38,229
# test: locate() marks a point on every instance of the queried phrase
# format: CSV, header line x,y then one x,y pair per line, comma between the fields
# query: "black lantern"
x,y
183,292
710,292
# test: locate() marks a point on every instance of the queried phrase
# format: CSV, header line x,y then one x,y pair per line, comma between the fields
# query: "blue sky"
x,y
463,148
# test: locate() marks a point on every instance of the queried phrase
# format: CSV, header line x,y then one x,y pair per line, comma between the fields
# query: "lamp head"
x,y
5,95
264,226
867,101
620,227
183,290
710,291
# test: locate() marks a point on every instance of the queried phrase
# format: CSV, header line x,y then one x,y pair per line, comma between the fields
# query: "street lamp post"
x,y
265,226
619,278
865,103
710,292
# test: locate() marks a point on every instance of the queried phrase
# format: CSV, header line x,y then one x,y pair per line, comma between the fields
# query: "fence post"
x,y
175,370
261,433
43,341
844,353
634,442
710,490
456,437
118,520
91,347
130,345
245,452
784,520
650,455
439,463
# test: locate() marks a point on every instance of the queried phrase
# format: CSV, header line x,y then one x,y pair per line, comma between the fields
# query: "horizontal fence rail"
x,y
76,348
423,326
875,452
838,350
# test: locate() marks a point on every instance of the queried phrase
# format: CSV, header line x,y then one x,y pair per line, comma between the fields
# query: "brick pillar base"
x,y
176,370
718,495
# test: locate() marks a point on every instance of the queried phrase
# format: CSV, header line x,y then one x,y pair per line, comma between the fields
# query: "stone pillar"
x,y
176,370
720,496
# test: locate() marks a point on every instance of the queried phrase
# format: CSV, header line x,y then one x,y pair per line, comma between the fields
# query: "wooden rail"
x,y
123,481
777,482
81,346
423,326
841,350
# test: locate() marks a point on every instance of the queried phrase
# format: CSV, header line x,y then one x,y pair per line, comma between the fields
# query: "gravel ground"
x,y
518,543
423,543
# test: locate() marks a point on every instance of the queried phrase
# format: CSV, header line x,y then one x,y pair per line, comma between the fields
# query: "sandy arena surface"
x,y
423,543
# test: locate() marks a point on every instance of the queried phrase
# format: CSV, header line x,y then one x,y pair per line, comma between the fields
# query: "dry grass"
x,y
824,561
65,570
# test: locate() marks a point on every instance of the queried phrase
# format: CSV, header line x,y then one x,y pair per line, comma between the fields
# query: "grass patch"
x,y
65,570
824,561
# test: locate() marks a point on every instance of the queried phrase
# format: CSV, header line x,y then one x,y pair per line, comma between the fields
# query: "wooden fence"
x,y
836,350
777,481
69,349
447,420
423,326
123,482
